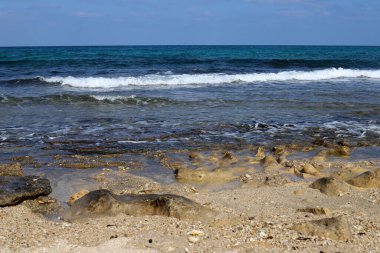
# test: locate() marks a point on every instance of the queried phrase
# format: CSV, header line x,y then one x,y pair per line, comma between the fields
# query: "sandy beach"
x,y
259,203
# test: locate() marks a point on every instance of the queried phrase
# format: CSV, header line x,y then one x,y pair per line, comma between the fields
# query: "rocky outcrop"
x,y
369,179
14,190
331,186
104,202
336,228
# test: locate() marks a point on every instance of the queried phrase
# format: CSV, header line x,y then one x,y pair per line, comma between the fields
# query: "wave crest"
x,y
212,79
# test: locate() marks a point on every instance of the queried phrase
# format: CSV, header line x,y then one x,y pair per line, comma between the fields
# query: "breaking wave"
x,y
212,79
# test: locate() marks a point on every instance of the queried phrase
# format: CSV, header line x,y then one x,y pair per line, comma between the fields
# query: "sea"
x,y
120,99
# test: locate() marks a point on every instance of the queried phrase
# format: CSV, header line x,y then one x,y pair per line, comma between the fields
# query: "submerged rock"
x,y
11,170
104,202
369,179
14,190
336,228
331,186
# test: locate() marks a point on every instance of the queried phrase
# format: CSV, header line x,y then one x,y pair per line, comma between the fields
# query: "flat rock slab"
x,y
331,186
14,190
336,228
104,202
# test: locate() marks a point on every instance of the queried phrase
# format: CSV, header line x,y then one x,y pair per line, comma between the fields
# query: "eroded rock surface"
x,y
331,186
11,170
369,179
14,190
104,202
336,228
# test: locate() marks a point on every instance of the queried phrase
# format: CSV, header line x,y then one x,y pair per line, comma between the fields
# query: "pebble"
x,y
193,239
262,233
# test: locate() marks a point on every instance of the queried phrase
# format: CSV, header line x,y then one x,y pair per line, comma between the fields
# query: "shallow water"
x,y
129,100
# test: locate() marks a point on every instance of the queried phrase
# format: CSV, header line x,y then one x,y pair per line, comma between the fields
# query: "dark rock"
x,y
104,202
14,190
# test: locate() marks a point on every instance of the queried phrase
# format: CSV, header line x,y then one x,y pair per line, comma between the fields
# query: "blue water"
x,y
116,99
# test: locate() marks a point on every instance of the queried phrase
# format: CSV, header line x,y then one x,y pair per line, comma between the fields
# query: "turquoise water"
x,y
70,99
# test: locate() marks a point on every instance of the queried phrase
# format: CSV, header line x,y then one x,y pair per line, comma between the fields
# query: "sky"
x,y
189,22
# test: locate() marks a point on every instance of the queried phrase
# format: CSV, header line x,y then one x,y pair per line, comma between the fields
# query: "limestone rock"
x,y
260,154
341,151
270,163
331,186
77,196
104,202
13,170
336,228
321,156
14,190
369,179
309,169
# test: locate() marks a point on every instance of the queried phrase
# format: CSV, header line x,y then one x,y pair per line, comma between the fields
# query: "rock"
x,y
336,228
369,179
260,154
193,239
196,158
14,190
202,175
270,163
340,151
309,169
321,156
76,196
263,179
315,210
195,236
44,205
331,186
13,170
346,173
104,202
298,173
279,150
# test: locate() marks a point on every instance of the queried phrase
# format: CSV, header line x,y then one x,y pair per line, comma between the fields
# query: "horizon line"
x,y
205,45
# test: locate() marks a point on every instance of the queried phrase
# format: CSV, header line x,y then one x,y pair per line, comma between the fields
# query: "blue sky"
x,y
157,22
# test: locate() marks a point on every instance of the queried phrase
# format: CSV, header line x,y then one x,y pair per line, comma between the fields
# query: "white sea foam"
x,y
114,98
213,79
